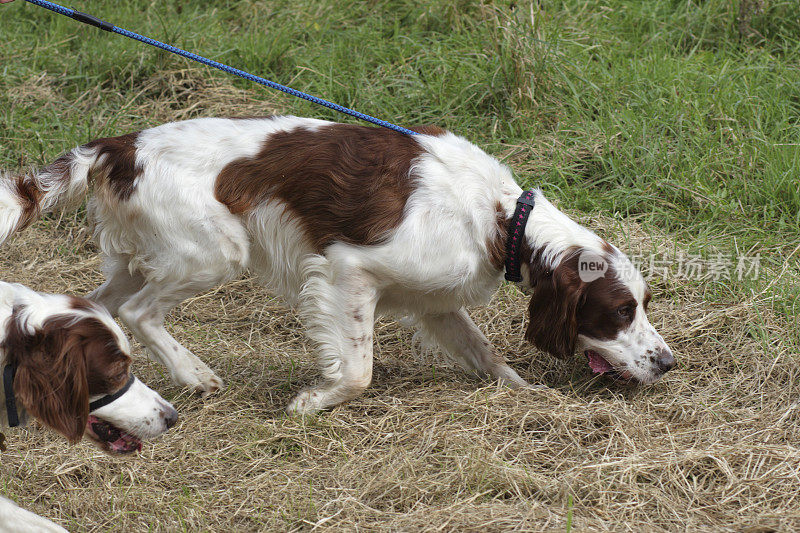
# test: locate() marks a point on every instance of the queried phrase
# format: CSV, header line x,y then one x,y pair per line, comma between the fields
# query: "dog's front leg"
x,y
144,315
458,335
338,311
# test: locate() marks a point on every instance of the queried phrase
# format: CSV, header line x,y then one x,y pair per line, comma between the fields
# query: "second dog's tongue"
x,y
597,363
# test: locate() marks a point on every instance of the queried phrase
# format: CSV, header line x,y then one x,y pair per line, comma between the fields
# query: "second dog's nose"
x,y
665,360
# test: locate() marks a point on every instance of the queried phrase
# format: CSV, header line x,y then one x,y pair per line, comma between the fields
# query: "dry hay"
x,y
711,447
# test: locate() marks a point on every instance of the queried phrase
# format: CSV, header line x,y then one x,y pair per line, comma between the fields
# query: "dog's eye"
x,y
626,311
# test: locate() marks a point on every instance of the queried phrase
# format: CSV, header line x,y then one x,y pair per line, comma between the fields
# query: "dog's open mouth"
x,y
600,365
110,438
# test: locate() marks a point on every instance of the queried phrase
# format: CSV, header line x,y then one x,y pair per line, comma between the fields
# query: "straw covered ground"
x,y
660,127
712,446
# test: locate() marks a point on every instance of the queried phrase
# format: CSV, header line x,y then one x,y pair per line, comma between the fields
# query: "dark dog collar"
x,y
516,233
11,403
108,398
8,388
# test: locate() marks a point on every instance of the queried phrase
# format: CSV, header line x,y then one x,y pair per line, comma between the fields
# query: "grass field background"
x,y
670,127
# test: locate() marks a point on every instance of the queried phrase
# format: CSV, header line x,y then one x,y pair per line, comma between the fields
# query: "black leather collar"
x,y
8,388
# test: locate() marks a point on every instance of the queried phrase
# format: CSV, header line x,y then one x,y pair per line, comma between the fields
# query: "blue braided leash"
x,y
107,26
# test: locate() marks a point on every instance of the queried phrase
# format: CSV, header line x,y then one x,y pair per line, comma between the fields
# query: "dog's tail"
x,y
62,184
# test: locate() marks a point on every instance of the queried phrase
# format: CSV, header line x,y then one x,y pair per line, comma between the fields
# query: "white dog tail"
x,y
23,199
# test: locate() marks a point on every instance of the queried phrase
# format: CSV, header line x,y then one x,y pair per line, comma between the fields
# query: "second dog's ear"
x,y
50,382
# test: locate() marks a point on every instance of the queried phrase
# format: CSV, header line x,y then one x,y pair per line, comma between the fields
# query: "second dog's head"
x,y
67,352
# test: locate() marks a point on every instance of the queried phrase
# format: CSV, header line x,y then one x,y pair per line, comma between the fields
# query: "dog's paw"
x,y
307,402
202,381
210,386
536,386
507,377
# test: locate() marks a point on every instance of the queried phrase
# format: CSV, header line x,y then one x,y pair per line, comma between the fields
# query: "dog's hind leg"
x,y
144,314
119,286
458,335
338,311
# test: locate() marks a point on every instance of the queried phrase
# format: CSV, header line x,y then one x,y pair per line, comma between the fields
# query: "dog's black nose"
x,y
171,417
665,361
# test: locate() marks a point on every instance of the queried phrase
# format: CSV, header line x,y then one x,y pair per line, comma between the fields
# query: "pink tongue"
x,y
597,363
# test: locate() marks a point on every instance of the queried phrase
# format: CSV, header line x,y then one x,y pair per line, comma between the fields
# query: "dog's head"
x,y
596,301
67,358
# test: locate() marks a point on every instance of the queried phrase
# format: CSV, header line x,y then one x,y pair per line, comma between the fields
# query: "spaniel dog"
x,y
347,222
65,362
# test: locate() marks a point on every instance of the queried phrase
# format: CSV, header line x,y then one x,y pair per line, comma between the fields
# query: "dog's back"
x,y
342,219
207,198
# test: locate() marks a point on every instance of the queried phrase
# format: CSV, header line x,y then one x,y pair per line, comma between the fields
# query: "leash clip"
x,y
92,21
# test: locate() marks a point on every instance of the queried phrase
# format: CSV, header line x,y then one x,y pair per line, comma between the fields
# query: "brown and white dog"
x,y
65,362
348,222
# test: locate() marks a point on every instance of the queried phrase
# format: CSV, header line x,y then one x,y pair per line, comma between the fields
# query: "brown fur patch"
x,y
599,318
496,242
119,169
60,365
30,195
429,129
81,304
343,182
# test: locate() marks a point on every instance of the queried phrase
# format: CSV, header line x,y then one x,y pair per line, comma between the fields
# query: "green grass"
x,y
651,109
655,111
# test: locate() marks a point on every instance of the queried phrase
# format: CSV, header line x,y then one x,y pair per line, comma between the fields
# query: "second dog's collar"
x,y
8,388
108,398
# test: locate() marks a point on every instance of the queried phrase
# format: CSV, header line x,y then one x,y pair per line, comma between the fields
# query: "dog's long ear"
x,y
51,374
553,309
